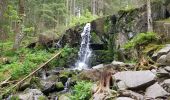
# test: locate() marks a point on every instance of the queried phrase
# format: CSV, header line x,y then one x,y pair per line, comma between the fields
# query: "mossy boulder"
x,y
59,86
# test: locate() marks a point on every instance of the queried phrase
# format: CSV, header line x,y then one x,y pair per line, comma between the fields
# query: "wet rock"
x,y
166,85
98,66
163,51
63,78
124,98
134,95
48,87
135,79
65,74
155,91
31,94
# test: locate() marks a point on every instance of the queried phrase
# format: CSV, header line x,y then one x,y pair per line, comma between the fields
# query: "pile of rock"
x,y
139,85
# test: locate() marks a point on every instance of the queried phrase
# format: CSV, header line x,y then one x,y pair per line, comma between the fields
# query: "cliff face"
x,y
111,32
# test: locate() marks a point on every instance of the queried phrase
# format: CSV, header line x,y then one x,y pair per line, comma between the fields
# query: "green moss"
x,y
141,38
42,98
152,46
59,85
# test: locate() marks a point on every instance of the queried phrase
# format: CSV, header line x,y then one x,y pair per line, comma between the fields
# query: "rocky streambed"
x,y
114,81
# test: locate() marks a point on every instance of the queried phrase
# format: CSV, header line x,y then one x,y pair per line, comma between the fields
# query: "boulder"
x,y
134,95
124,98
168,59
95,74
98,66
162,60
135,79
30,94
167,68
155,91
166,85
59,86
162,72
92,75
48,87
161,52
117,63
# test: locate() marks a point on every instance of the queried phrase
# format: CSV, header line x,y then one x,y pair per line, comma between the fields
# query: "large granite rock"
x,y
135,79
161,52
164,60
155,91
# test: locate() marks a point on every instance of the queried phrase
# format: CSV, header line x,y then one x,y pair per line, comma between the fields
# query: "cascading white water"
x,y
85,51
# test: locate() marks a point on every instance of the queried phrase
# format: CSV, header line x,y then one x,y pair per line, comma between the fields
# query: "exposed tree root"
x,y
144,63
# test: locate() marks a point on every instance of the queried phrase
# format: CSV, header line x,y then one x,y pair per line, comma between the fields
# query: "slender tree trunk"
x,y
94,7
74,7
19,34
70,9
149,16
67,11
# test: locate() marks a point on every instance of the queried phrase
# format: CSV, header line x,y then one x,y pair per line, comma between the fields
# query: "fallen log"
x,y
32,73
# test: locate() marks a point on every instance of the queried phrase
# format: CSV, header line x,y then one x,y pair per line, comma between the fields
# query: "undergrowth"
x,y
23,61
82,91
141,38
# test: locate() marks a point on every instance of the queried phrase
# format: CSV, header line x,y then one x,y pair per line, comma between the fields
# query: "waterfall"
x,y
85,51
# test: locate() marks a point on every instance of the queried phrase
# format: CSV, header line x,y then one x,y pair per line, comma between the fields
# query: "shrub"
x,y
140,39
82,91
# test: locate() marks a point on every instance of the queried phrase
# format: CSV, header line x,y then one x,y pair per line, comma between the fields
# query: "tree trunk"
x,y
67,11
149,16
19,34
94,7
